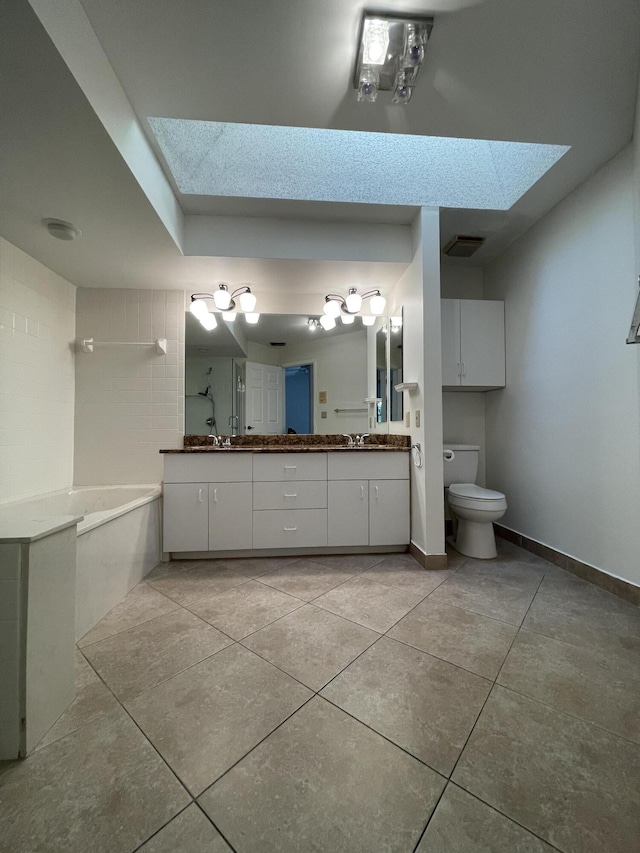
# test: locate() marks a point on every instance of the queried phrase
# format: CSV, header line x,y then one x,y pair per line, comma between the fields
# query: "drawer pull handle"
x,y
199,496
376,493
361,493
290,528
215,495
290,467
295,495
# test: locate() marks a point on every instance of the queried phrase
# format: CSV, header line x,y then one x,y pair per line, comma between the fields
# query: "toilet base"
x,y
474,539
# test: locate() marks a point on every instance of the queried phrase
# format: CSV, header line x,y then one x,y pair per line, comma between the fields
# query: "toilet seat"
x,y
471,496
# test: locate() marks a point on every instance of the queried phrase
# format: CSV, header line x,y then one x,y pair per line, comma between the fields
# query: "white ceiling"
x,y
555,71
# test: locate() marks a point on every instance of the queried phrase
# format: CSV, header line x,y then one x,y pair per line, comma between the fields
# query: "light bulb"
x,y
229,316
209,321
332,307
377,304
368,85
222,298
247,301
327,322
354,301
375,41
198,308
368,321
252,318
347,319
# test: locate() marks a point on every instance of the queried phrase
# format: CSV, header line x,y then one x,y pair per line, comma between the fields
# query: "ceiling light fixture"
x,y
390,54
339,306
224,301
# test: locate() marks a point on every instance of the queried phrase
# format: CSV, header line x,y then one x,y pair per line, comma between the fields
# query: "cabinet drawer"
x,y
301,494
294,528
289,466
368,465
215,467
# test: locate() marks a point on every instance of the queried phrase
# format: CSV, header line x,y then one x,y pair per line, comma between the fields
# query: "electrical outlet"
x,y
407,419
418,418
323,416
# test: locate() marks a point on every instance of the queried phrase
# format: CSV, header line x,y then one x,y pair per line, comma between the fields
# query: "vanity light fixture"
x,y
313,324
390,54
368,320
336,305
347,319
327,322
252,318
225,302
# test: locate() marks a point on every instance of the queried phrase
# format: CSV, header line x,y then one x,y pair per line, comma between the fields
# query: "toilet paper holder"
x,y
448,455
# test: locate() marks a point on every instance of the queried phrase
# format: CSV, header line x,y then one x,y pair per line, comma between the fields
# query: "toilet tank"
x,y
463,468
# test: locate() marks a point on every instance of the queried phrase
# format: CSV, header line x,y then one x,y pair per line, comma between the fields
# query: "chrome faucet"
x,y
350,441
361,438
216,440
227,441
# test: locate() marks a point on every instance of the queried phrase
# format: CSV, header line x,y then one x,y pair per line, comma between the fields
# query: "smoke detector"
x,y
61,230
463,246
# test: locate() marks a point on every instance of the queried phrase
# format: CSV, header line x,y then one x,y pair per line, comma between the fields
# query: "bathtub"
x,y
66,559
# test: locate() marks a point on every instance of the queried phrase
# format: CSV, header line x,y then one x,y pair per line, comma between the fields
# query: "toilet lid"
x,y
477,493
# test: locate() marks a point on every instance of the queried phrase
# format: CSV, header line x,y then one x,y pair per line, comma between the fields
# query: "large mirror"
x,y
280,376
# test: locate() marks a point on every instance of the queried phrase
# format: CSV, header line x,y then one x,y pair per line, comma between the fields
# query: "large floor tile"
x,y
190,582
409,576
571,783
578,612
311,644
255,567
463,824
102,789
135,660
423,704
141,604
205,719
306,579
92,700
374,605
521,574
324,782
190,832
244,609
485,594
598,683
467,639
351,563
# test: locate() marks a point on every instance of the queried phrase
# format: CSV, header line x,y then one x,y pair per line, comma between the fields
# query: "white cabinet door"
x,y
348,519
185,517
450,322
230,516
388,512
482,342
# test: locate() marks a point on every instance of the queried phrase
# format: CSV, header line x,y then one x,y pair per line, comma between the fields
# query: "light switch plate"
x,y
323,415
418,418
407,419
322,397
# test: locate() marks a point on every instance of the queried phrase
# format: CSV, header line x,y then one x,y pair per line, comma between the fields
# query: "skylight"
x,y
311,164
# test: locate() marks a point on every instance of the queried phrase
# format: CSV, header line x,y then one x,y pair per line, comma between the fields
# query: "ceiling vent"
x,y
462,246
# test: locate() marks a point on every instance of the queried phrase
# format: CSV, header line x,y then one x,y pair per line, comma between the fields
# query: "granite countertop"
x,y
333,443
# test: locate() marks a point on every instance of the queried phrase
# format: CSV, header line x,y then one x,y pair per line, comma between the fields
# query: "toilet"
x,y
472,508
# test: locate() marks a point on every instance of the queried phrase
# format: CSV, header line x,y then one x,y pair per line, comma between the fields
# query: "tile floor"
x,y
355,704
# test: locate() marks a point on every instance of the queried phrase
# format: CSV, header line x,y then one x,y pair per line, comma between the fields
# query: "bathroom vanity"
x,y
284,498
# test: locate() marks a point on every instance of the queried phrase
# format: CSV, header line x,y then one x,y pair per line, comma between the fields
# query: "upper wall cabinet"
x,y
472,344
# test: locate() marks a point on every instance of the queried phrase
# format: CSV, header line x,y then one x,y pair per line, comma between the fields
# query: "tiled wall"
x,y
37,330
129,400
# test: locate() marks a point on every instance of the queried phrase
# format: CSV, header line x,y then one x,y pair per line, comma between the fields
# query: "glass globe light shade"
x,y
252,318
327,322
209,321
354,301
247,302
347,319
222,298
332,307
377,304
229,316
368,321
198,308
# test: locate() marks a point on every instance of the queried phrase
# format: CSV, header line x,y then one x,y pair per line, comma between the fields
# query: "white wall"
x,y
563,436
37,330
129,400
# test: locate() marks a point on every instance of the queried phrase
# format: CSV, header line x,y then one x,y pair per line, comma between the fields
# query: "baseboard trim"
x,y
428,561
617,586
